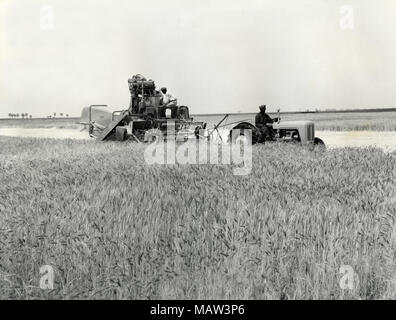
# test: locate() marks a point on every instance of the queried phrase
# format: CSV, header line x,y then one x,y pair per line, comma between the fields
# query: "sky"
x,y
215,56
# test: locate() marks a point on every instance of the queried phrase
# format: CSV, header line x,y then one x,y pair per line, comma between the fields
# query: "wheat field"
x,y
114,227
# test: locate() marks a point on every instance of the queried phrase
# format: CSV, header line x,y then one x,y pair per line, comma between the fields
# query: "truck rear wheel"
x,y
239,131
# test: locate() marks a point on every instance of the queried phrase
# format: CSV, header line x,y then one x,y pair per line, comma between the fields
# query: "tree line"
x,y
17,115
29,116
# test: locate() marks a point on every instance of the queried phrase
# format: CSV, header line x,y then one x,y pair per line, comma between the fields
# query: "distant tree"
x,y
9,115
30,116
22,115
54,114
17,115
67,115
61,114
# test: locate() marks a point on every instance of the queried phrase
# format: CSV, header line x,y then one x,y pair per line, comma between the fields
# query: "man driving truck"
x,y
264,123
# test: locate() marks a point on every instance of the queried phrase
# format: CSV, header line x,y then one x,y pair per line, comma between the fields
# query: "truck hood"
x,y
291,124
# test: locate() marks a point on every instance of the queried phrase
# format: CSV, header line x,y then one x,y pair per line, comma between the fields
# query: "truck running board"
x,y
106,132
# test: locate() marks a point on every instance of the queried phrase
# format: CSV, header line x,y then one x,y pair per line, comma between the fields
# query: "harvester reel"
x,y
150,123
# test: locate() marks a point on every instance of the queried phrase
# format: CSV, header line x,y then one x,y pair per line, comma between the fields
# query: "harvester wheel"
x,y
121,133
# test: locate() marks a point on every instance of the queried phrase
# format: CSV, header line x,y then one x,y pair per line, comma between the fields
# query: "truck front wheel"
x,y
319,142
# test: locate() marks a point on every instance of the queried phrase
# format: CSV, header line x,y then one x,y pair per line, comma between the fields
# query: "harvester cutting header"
x,y
150,111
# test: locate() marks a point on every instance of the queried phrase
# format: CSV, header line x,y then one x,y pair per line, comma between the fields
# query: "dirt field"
x,y
386,140
45,133
335,121
333,139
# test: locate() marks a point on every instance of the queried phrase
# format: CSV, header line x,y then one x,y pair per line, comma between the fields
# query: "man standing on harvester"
x,y
264,123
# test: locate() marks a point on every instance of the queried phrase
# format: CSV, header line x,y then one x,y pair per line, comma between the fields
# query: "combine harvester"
x,y
148,118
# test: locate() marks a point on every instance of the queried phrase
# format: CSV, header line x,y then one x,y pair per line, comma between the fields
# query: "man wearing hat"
x,y
263,122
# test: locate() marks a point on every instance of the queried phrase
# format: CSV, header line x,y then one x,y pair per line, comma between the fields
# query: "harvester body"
x,y
146,115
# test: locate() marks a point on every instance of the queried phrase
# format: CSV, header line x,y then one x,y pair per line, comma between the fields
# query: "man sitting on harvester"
x,y
167,98
264,123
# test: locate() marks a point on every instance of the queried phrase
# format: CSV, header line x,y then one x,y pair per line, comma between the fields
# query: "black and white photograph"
x,y
212,151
